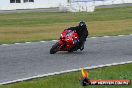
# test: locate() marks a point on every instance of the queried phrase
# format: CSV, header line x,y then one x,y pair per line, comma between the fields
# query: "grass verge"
x,y
71,80
22,27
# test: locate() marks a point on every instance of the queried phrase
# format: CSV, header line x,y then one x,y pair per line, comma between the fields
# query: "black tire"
x,y
54,48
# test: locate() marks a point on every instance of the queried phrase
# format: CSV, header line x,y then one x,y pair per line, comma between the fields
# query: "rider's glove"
x,y
76,41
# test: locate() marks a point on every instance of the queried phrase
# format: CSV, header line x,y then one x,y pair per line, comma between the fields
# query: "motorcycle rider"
x,y
82,32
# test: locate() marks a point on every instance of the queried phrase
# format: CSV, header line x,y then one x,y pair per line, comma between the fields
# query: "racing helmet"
x,y
82,24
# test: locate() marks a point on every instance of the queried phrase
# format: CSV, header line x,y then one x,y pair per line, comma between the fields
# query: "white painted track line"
x,y
42,41
5,44
107,36
54,40
121,35
17,43
93,37
27,42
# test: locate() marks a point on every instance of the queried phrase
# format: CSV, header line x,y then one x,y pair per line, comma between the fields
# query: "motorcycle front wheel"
x,y
54,48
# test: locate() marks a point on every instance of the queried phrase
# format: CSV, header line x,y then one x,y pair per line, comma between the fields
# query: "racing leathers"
x,y
82,33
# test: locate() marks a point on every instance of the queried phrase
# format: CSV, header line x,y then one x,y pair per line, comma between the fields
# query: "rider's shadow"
x,y
71,53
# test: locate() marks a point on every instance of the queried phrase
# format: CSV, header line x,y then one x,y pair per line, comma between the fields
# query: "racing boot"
x,y
82,46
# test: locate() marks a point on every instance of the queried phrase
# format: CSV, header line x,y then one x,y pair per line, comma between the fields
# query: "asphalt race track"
x,y
19,61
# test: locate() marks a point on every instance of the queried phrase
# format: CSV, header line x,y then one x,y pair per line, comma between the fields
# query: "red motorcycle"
x,y
66,42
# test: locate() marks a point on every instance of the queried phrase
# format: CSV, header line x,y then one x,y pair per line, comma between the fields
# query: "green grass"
x,y
35,19
71,80
21,27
